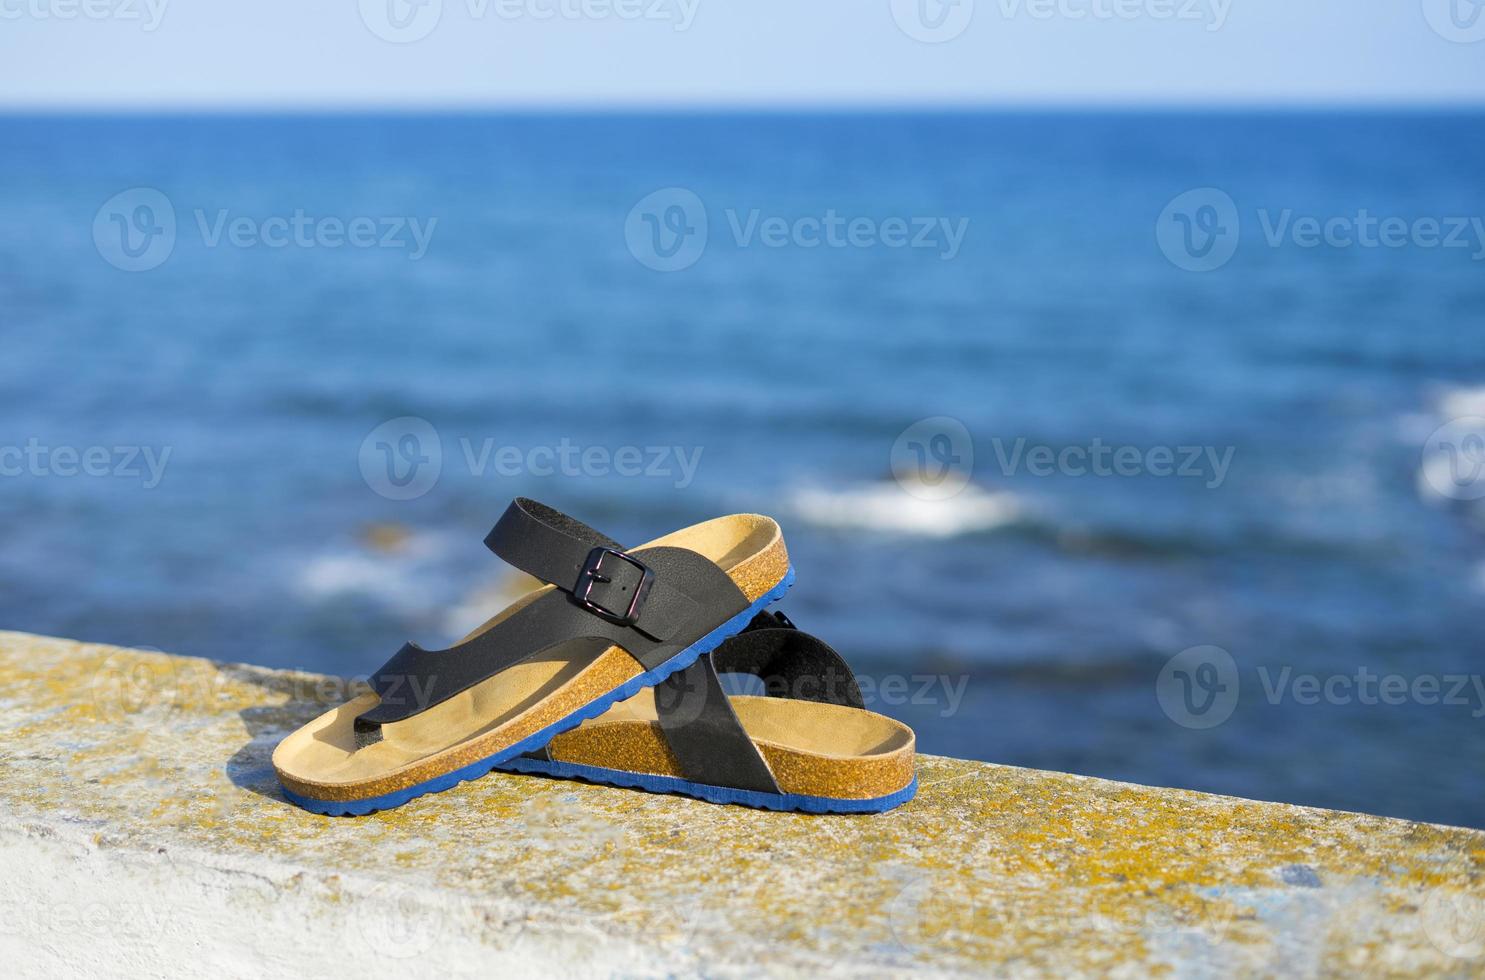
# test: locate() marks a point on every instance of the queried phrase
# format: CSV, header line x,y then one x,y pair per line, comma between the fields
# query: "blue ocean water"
x,y
1026,620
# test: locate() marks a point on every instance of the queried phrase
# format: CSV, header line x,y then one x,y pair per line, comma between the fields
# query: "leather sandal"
x,y
807,744
610,623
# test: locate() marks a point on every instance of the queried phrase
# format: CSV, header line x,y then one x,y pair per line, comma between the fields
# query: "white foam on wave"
x,y
484,600
1438,472
398,577
887,507
1456,403
1445,404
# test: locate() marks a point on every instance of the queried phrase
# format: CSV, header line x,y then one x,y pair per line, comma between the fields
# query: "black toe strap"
x,y
697,718
653,603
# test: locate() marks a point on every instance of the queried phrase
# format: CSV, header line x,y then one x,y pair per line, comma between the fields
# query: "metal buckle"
x,y
592,573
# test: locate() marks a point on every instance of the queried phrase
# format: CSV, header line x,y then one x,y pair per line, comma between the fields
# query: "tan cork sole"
x,y
812,749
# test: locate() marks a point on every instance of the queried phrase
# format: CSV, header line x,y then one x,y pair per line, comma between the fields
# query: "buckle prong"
x,y
592,574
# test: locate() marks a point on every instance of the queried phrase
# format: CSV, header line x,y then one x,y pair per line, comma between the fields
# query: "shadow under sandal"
x,y
610,623
807,745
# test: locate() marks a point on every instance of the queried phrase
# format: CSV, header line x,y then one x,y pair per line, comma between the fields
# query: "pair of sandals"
x,y
610,674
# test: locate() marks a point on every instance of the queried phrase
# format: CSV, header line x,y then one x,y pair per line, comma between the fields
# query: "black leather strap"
x,y
689,597
703,732
549,545
792,663
697,718
544,542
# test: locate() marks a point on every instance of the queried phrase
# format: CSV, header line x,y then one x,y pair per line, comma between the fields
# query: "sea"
x,y
1130,444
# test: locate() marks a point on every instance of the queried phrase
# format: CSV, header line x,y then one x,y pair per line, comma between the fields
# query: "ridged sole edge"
x,y
712,794
594,708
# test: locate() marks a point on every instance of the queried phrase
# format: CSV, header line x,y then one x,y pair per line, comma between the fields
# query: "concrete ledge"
x,y
142,832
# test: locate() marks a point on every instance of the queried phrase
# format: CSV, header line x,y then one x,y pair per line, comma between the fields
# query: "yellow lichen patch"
x,y
990,868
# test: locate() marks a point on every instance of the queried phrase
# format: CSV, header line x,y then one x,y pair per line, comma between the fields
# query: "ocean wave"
x,y
1438,474
886,506
486,599
392,565
1459,402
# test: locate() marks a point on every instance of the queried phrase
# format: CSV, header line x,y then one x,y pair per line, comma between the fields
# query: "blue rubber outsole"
x,y
594,708
712,794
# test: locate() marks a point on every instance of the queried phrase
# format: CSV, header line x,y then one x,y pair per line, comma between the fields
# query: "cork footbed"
x,y
822,750
321,760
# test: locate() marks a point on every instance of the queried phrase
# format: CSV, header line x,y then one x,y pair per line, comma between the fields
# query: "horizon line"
x,y
245,108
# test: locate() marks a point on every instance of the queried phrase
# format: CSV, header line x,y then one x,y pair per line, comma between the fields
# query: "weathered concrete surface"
x,y
141,831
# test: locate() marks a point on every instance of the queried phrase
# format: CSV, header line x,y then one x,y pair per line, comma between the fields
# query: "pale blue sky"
x,y
600,53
